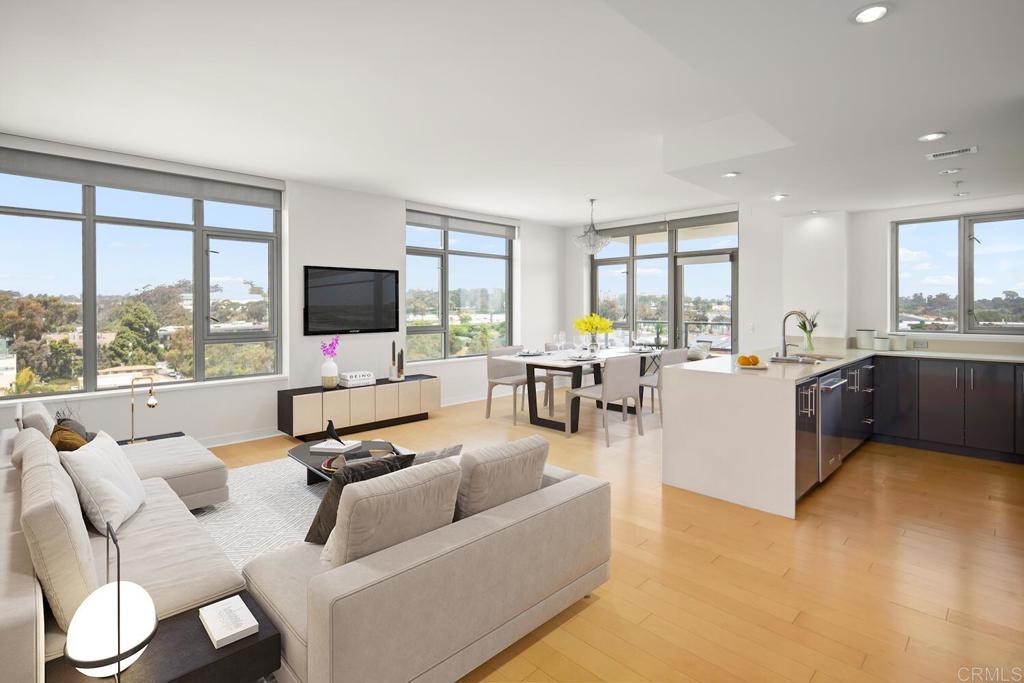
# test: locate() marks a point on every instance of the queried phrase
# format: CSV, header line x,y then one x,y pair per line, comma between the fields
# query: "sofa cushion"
x,y
107,485
382,512
182,462
437,454
51,519
7,436
327,514
36,416
167,552
278,579
497,474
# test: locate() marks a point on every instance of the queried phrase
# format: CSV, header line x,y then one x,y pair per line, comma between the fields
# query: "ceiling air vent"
x,y
951,153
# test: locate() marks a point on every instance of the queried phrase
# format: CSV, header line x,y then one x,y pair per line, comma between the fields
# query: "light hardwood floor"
x,y
906,566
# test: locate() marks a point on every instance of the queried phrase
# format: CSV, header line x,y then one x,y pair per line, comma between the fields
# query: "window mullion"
x,y
200,293
444,298
90,346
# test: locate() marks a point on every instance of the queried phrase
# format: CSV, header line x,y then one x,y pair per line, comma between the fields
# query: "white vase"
x,y
329,373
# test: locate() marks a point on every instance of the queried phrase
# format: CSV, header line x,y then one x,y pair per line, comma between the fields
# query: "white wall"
x,y
869,257
814,267
760,279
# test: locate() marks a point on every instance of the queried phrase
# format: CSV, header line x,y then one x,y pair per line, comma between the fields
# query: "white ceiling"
x,y
527,108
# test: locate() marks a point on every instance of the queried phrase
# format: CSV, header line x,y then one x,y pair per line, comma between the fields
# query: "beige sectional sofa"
x,y
50,558
436,606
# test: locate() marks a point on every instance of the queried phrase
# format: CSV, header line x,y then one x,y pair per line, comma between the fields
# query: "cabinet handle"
x,y
812,394
855,384
956,377
868,420
869,390
972,379
869,367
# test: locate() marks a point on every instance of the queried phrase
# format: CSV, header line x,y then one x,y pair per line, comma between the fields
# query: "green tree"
x,y
179,352
24,381
30,317
136,341
64,361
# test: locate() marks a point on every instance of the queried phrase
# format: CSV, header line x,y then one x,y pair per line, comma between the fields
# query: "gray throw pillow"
x,y
327,514
437,454
77,427
497,474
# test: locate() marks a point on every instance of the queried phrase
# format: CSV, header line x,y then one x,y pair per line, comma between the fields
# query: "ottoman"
x,y
198,476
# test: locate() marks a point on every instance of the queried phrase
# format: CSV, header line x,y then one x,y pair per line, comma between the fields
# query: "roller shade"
x,y
441,222
674,224
85,172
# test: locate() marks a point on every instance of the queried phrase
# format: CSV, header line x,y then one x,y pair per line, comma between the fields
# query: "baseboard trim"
x,y
951,449
238,437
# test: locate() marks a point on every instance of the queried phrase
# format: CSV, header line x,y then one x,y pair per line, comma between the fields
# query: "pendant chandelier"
x,y
591,240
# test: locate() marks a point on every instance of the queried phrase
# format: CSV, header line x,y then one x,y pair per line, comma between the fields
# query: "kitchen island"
x,y
736,434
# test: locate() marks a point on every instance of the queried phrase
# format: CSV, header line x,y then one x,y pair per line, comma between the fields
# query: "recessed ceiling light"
x,y
932,137
949,171
815,212
779,197
731,174
870,14
960,194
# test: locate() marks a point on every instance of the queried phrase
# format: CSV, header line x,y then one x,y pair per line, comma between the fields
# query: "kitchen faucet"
x,y
785,319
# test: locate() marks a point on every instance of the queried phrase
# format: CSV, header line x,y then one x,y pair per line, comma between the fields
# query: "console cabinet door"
x,y
387,401
362,405
430,394
895,396
307,414
988,409
942,401
408,398
336,408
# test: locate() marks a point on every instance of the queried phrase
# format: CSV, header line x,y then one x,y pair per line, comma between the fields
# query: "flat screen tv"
x,y
349,300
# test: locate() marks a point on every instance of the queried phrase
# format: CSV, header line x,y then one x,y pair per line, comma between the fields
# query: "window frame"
x,y
672,256
966,322
89,220
443,253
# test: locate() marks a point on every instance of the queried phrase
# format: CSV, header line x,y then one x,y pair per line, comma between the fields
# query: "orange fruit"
x,y
754,360
743,360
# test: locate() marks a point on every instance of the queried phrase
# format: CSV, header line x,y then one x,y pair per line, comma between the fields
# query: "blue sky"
x,y
467,272
928,258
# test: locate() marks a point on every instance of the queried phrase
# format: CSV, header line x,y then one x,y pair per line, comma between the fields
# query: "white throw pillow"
x,y
438,454
495,475
698,351
378,513
108,486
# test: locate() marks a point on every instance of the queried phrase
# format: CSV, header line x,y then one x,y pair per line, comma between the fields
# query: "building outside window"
x,y
458,275
108,279
959,274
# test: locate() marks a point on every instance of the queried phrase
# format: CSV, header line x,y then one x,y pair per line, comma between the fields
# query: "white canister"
x,y
897,342
881,343
329,373
865,339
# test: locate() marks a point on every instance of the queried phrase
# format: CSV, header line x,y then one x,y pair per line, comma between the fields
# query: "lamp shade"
x,y
92,643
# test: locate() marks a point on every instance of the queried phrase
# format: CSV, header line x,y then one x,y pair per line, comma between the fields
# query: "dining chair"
x,y
510,374
620,381
654,380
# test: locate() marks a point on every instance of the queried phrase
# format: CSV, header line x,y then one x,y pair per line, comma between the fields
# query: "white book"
x,y
333,447
227,621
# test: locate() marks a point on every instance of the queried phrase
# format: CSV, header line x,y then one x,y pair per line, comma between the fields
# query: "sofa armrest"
x,y
21,619
553,475
437,594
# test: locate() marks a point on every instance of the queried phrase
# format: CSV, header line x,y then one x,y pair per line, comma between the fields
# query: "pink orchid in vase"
x,y
330,349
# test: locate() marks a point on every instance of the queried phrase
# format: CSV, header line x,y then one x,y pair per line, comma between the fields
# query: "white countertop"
x,y
797,372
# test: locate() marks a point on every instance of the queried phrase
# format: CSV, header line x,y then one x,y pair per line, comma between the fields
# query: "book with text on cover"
x,y
227,621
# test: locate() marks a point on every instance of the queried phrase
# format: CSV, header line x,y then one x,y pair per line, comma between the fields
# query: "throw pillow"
x,y
107,485
327,514
382,512
698,351
35,415
77,427
440,453
497,474
66,439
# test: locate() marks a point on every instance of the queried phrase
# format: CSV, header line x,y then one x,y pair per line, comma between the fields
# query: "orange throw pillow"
x,y
64,439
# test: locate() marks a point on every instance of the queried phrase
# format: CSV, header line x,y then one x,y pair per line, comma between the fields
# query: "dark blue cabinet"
x,y
895,396
941,396
989,406
1020,409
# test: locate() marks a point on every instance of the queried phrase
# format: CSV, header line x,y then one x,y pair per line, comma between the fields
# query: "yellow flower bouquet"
x,y
593,325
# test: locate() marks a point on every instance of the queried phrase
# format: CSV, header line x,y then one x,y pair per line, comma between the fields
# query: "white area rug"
x,y
270,506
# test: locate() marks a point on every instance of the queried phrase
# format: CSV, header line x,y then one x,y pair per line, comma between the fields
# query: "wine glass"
x,y
560,339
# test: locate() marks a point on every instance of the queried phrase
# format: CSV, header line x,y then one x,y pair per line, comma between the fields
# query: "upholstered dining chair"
x,y
587,369
620,381
508,373
653,381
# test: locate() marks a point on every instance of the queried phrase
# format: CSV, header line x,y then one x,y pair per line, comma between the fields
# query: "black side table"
x,y
181,652
155,437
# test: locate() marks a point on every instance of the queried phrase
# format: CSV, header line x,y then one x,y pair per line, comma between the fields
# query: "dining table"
x,y
573,361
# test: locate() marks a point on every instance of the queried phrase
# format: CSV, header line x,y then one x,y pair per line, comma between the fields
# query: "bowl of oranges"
x,y
751,362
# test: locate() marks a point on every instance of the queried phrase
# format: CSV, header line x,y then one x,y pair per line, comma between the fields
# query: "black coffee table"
x,y
312,461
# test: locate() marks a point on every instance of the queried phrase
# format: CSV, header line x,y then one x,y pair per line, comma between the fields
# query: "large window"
x,y
959,274
106,284
457,292
671,282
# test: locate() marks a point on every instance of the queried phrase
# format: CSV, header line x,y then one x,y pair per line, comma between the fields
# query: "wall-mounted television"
x,y
349,300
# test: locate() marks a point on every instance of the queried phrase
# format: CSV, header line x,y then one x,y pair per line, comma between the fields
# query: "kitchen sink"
x,y
805,358
820,356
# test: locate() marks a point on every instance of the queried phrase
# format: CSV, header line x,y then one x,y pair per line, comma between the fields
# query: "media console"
x,y
304,412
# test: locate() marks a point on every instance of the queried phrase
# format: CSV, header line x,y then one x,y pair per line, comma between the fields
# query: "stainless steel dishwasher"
x,y
830,424
806,437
